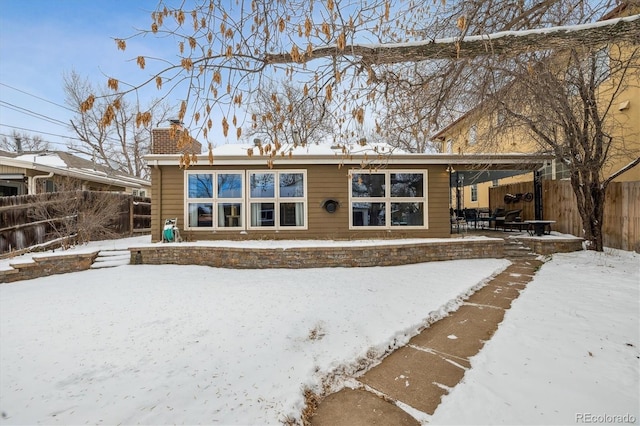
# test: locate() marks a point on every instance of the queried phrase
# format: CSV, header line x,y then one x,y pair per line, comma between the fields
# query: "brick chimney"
x,y
165,140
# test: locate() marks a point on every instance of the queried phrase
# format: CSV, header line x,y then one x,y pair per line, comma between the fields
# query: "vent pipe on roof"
x,y
177,123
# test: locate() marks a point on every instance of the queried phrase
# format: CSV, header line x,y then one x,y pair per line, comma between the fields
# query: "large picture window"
x,y
388,199
277,199
214,200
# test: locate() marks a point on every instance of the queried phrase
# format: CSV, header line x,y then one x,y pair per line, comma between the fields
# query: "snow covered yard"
x,y
567,352
199,345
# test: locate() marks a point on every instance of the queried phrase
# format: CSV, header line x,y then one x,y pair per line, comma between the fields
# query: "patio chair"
x,y
508,218
493,216
458,222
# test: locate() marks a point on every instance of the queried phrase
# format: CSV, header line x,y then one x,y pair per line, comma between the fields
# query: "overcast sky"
x,y
40,40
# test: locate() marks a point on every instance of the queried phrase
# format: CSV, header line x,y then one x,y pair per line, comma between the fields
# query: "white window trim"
x,y
388,200
474,192
276,200
214,200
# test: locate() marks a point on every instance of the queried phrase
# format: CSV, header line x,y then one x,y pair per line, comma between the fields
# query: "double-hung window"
x,y
215,199
277,199
388,199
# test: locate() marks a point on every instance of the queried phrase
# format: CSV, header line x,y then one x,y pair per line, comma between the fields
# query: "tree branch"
x,y
508,43
626,168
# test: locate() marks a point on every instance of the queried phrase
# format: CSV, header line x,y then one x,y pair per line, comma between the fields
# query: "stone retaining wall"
x,y
317,257
42,266
548,245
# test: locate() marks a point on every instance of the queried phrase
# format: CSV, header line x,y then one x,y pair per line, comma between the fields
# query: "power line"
x,y
33,114
44,133
43,140
37,97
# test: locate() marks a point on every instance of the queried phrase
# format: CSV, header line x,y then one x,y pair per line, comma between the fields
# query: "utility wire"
x,y
44,133
33,114
37,97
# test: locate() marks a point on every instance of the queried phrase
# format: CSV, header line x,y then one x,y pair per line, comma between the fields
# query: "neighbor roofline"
x,y
76,173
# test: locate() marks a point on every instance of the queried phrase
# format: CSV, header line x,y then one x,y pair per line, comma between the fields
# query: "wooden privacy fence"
x,y
621,228
29,220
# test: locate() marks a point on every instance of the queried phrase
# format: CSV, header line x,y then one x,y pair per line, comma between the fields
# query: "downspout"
x,y
157,194
32,182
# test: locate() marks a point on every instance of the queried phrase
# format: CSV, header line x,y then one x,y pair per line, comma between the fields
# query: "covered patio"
x,y
464,175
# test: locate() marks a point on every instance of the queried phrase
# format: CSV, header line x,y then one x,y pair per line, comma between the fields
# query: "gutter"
x,y
33,182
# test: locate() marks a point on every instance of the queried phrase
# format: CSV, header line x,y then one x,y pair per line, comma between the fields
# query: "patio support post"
x,y
458,206
537,194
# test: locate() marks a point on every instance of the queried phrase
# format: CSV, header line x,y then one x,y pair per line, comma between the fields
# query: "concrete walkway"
x,y
419,374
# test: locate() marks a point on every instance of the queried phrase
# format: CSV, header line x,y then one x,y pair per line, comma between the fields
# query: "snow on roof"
x,y
48,159
241,149
68,164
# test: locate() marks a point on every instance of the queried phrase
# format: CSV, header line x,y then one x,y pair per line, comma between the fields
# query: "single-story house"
x,y
37,172
311,192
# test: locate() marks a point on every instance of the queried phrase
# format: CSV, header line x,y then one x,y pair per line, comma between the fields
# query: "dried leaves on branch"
x,y
350,53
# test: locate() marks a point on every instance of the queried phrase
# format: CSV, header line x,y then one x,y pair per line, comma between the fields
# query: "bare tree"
x,y
349,50
76,216
565,102
284,115
121,145
19,142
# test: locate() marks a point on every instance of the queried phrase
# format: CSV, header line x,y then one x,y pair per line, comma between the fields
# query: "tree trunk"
x,y
590,196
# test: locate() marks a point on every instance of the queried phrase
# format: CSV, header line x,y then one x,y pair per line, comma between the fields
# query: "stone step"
x,y
111,258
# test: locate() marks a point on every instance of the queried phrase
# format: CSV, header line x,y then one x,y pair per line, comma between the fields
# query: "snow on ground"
x,y
199,345
567,352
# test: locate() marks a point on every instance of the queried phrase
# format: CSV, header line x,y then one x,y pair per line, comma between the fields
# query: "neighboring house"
x,y
50,171
468,133
316,192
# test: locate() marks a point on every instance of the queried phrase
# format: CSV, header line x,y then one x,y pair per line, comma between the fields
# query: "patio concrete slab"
x,y
433,362
352,407
463,333
499,296
415,377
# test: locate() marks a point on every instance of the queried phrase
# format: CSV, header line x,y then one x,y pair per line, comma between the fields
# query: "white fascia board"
x,y
399,159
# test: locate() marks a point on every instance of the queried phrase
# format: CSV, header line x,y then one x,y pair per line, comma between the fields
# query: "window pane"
x,y
200,214
262,185
368,214
407,214
367,185
262,214
229,185
200,186
291,185
291,214
229,215
407,184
